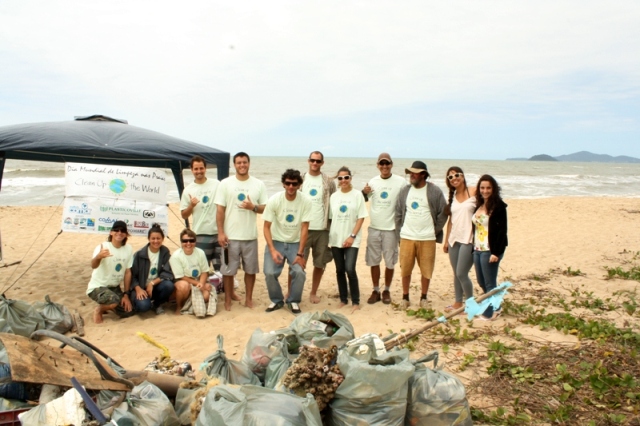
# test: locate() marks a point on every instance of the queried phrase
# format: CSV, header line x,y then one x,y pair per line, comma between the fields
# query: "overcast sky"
x,y
429,79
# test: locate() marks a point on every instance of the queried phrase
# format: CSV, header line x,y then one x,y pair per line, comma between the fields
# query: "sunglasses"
x,y
287,183
384,163
455,175
344,177
313,160
122,231
189,240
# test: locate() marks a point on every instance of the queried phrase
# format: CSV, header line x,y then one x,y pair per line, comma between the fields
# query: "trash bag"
x,y
322,330
260,350
20,316
436,398
11,390
230,371
257,406
56,316
150,406
66,410
277,368
374,390
184,398
4,327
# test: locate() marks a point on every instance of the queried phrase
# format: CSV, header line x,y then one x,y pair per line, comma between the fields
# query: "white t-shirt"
x,y
153,264
313,187
383,196
461,226
111,270
286,216
204,213
240,224
418,223
192,265
344,211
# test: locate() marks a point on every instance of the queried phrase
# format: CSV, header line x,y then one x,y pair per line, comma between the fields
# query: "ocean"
x,y
38,183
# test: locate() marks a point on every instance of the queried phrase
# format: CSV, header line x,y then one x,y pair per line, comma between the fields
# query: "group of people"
x,y
315,215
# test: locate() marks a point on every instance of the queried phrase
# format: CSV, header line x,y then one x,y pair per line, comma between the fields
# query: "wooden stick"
x,y
404,337
4,265
79,321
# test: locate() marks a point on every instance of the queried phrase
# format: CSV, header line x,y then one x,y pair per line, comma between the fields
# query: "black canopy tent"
x,y
99,139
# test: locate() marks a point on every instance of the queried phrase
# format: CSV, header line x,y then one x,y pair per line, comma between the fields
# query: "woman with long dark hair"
x,y
459,240
490,236
347,211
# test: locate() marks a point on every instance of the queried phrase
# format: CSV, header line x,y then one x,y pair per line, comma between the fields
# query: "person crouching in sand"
x,y
189,264
111,265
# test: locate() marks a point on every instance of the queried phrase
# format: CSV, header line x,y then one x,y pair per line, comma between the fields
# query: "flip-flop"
x,y
449,308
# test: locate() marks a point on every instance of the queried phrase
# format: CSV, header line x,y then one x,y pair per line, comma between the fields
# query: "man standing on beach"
x,y
197,201
239,199
420,217
382,240
286,226
318,187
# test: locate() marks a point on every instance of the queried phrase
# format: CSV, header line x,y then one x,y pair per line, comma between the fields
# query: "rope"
x,y
25,254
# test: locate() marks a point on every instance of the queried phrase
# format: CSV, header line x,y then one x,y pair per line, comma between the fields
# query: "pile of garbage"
x,y
314,372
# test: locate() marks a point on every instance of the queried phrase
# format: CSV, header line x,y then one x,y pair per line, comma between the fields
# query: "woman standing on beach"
x,y
347,211
490,237
151,276
459,239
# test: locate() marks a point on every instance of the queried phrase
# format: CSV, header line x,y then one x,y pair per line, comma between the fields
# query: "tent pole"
x,y
177,175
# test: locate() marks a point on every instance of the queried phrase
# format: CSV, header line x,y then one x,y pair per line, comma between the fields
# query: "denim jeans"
x,y
272,271
160,294
486,274
345,260
461,258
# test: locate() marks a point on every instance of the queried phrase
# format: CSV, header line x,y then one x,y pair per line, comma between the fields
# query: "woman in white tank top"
x,y
459,240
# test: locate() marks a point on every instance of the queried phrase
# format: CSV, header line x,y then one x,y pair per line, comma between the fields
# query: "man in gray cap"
x,y
420,217
382,191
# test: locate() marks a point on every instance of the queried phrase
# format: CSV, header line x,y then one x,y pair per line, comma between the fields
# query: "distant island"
x,y
581,157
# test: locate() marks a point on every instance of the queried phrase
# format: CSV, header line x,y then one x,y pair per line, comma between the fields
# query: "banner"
x,y
133,183
96,215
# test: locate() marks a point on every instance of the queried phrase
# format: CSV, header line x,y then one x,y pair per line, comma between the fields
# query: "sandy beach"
x,y
555,233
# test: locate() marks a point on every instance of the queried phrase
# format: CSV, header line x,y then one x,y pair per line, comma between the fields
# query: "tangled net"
x,y
315,371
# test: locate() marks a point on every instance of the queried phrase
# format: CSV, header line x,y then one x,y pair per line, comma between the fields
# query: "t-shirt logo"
x,y
313,192
205,199
289,218
195,273
415,205
154,271
241,196
343,208
119,267
384,195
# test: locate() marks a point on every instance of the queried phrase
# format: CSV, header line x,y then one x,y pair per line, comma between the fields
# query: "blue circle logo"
x,y
241,196
343,208
205,199
119,267
117,186
313,192
195,273
289,218
384,195
154,271
415,205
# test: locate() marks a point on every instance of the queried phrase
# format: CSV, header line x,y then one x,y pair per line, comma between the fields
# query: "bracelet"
x,y
353,236
300,254
255,208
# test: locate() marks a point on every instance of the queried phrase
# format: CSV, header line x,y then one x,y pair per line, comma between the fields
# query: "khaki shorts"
x,y
422,251
318,243
245,251
382,244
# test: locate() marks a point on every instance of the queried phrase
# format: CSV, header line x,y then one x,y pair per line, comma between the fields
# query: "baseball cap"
x,y
385,156
119,225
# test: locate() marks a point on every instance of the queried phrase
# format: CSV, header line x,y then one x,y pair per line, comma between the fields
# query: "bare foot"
x,y
314,298
178,311
249,303
342,305
227,306
355,308
235,297
97,316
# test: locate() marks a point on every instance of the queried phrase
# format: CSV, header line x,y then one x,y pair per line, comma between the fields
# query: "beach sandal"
x,y
452,308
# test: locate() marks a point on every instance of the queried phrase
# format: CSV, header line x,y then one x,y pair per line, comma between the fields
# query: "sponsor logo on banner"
x,y
149,214
141,224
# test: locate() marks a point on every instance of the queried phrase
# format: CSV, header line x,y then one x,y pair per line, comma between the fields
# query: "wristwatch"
x,y
255,208
353,236
300,254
